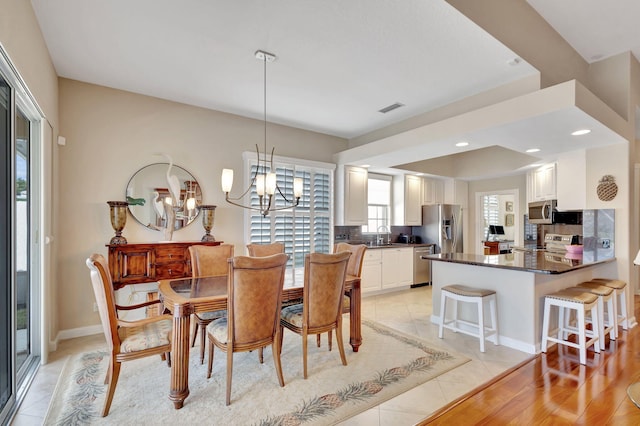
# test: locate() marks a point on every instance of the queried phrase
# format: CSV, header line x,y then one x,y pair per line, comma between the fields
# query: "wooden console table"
x,y
149,262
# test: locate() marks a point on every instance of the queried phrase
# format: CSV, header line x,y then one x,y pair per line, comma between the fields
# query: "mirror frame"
x,y
141,189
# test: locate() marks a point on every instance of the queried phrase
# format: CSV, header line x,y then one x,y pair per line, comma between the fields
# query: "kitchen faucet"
x,y
379,239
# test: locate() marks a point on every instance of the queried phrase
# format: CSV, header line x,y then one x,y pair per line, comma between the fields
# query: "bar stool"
x,y
606,296
621,300
460,293
581,303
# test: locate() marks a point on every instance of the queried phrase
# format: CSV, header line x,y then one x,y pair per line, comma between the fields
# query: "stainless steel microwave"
x,y
545,213
541,212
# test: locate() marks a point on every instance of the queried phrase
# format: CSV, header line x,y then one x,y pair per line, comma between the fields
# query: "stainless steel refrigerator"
x,y
442,226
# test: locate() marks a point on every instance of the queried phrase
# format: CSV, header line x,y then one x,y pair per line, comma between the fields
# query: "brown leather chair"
x,y
265,249
207,261
253,311
321,309
127,340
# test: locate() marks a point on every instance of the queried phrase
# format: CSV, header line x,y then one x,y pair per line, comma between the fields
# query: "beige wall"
x,y
110,135
22,40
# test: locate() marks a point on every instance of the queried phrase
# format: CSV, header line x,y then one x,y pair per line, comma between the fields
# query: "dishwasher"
x,y
422,267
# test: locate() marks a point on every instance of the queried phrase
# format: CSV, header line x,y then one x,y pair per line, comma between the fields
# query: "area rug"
x,y
389,363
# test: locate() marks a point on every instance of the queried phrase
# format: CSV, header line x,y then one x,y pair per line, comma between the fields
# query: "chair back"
x,y
254,298
324,276
354,267
260,250
105,298
210,260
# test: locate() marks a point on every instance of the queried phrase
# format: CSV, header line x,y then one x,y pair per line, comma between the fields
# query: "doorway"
x,y
497,217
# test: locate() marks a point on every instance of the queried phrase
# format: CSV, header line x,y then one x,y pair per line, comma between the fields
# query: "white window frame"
x,y
250,158
376,176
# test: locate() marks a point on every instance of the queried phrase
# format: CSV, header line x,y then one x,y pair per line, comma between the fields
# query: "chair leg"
x,y
318,339
260,356
210,363
229,372
545,326
582,338
304,353
107,377
168,356
203,331
330,338
111,389
343,357
194,330
481,323
443,308
276,359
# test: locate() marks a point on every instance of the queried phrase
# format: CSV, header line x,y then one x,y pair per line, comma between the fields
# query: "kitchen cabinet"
x,y
407,200
351,196
433,191
371,271
397,267
456,191
542,183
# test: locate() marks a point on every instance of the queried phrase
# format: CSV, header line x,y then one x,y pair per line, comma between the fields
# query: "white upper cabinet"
x,y
351,195
541,183
433,191
407,200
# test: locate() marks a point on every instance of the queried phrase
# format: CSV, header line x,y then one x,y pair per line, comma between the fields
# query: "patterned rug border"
x,y
80,407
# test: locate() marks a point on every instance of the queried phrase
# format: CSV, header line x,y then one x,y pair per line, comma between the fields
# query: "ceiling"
x,y
338,62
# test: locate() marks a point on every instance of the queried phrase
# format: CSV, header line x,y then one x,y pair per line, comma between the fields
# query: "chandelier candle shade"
x,y
118,214
264,178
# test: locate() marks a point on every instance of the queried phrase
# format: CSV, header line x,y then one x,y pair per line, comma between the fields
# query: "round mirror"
x,y
148,196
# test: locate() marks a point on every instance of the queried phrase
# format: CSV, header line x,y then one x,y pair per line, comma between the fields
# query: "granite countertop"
x,y
540,262
391,245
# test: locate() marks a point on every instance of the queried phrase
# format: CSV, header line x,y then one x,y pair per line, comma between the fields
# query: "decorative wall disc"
x,y
607,188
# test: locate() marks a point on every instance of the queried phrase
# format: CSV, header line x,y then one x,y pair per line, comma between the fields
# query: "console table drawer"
x,y
171,270
170,255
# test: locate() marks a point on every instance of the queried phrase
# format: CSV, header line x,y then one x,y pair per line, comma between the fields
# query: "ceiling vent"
x,y
391,107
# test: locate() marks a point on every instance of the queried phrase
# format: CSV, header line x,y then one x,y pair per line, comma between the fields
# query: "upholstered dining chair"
x,y
354,268
127,340
207,261
321,309
254,299
260,250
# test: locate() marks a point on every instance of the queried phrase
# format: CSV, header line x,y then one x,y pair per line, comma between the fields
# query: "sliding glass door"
x,y
19,250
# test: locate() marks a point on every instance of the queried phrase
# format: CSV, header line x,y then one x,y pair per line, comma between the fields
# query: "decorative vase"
x,y
208,216
118,213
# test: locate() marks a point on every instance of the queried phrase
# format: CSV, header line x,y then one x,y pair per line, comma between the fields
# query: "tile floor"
x,y
405,310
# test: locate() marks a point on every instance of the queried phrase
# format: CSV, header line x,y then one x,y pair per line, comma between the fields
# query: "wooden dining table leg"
x,y
180,355
355,337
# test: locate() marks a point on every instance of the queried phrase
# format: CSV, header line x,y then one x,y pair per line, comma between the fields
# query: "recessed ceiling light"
x,y
581,132
515,61
462,143
531,150
365,166
419,174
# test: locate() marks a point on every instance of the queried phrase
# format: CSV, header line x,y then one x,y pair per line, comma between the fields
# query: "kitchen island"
x,y
521,280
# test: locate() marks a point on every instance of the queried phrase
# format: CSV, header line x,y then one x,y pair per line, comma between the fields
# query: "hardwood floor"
x,y
555,389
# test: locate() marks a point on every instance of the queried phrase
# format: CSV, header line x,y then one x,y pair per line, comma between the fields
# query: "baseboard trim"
x,y
78,332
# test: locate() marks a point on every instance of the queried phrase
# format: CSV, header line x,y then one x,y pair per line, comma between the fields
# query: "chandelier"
x,y
264,177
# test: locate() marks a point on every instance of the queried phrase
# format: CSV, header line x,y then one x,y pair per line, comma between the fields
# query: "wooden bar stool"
x,y
606,297
581,303
460,293
620,288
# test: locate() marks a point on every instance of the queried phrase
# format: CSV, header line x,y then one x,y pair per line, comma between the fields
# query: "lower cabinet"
x,y
387,268
371,271
397,267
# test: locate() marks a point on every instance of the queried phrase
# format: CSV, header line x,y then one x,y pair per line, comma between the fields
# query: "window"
x,y
308,227
379,202
491,209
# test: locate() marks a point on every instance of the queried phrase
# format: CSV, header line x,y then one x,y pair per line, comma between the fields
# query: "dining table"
x,y
185,296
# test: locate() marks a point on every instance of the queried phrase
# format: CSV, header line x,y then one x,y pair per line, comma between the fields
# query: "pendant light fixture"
x,y
264,177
